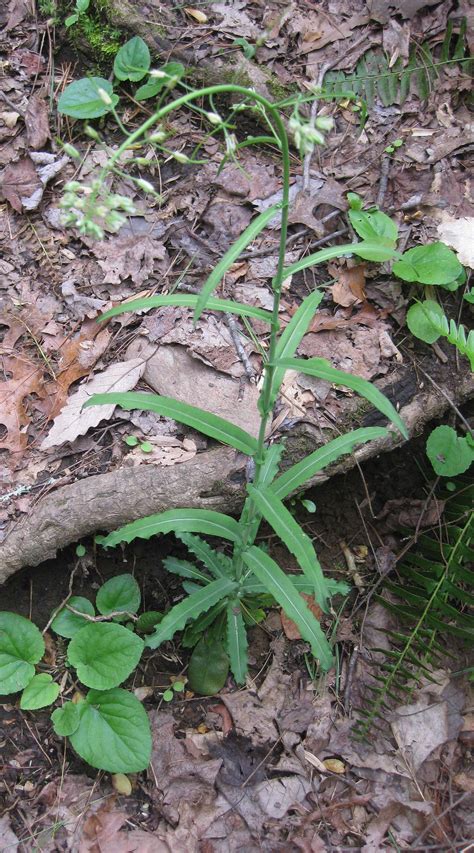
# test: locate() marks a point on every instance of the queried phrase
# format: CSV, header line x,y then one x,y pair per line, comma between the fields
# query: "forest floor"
x,y
274,766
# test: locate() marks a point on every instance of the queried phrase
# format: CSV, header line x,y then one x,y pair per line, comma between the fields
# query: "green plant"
x,y
100,723
392,82
80,8
224,593
229,589
428,322
431,600
449,453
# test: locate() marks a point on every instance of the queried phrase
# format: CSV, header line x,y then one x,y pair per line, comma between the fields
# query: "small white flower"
x,y
158,74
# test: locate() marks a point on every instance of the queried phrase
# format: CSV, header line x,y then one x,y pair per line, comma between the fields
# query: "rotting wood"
x,y
214,479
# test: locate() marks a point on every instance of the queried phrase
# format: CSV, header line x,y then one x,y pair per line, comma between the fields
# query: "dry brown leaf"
x,y
459,234
37,122
130,256
196,15
349,288
73,420
18,10
410,512
289,627
19,182
8,839
25,378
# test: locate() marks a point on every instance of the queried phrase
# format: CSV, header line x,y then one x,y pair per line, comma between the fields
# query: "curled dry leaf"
x,y
73,420
25,379
20,182
37,122
349,288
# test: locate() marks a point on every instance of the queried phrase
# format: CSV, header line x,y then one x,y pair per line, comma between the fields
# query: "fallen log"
x,y
214,479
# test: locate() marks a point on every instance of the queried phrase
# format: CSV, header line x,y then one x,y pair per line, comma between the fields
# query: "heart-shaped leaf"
x,y
433,263
208,667
104,654
172,72
120,593
81,99
113,732
133,60
21,646
66,623
66,719
40,692
449,453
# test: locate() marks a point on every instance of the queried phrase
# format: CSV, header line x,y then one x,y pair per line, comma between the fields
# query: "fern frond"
x,y
456,335
374,76
431,600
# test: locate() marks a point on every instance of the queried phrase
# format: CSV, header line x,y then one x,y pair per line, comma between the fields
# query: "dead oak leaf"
x,y
37,122
73,420
20,182
25,379
128,257
349,288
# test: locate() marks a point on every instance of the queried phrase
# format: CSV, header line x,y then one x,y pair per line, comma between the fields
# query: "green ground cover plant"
x,y
229,585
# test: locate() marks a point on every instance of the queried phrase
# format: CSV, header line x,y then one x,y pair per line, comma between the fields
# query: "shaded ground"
x,y
272,767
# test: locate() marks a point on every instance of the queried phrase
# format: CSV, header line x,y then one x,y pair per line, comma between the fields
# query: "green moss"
x,y
279,90
93,33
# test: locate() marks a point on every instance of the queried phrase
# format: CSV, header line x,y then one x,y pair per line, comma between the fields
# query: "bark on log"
x,y
214,479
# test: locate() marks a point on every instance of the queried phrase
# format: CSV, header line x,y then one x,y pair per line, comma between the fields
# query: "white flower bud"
x,y
145,186
214,118
158,74
325,122
71,151
104,96
180,157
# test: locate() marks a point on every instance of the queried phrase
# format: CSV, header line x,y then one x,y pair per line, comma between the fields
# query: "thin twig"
x,y
105,618
239,347
12,106
384,173
446,397
65,601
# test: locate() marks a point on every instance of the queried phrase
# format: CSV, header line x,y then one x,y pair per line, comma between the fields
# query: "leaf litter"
x,y
291,732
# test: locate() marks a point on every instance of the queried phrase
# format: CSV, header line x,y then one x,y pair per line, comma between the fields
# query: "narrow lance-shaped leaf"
x,y
280,586
185,569
190,608
323,369
237,641
294,537
173,520
293,335
370,250
194,417
218,564
300,473
188,300
256,226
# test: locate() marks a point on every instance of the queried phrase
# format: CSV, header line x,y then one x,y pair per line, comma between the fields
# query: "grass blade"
x,y
253,230
192,416
188,300
323,369
280,586
293,335
301,472
295,539
205,521
370,250
237,641
192,606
